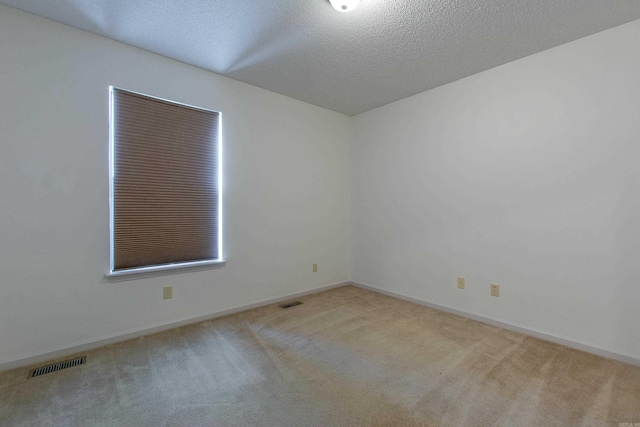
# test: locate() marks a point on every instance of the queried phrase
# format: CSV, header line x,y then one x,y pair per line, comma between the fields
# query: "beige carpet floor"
x,y
346,357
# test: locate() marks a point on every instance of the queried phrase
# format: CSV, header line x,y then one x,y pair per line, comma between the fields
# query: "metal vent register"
x,y
291,304
57,366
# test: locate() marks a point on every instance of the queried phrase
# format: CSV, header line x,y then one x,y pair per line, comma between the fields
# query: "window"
x,y
165,181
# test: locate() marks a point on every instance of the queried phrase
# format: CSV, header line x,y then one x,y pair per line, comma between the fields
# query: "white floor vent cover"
x,y
57,366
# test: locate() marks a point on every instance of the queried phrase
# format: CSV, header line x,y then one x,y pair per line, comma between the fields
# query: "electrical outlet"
x,y
314,268
167,292
461,282
495,290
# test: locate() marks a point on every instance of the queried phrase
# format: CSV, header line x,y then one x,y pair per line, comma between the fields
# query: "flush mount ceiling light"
x,y
344,5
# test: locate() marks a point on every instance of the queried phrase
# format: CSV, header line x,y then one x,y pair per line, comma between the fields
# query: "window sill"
x,y
166,267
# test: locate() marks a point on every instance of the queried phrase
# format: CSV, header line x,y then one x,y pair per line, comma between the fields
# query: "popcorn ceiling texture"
x,y
383,51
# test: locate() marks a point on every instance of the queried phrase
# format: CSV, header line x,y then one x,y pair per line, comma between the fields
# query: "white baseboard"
x,y
123,336
621,357
118,337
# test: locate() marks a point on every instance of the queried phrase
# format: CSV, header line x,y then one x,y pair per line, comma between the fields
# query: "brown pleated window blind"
x,y
165,191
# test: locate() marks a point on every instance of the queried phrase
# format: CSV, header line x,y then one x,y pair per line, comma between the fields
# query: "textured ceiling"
x,y
383,51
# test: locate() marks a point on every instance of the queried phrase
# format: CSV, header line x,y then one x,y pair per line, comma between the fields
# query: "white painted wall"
x,y
286,194
526,175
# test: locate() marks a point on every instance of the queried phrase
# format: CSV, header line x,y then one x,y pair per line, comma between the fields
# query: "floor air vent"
x,y
291,304
57,366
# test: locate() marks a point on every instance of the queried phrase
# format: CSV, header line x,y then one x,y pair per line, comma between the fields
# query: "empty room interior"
x,y
320,213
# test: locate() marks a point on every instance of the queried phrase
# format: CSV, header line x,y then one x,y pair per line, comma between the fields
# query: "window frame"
x,y
218,262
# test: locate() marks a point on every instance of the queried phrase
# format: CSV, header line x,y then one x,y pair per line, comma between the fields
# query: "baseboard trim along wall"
x,y
625,358
115,338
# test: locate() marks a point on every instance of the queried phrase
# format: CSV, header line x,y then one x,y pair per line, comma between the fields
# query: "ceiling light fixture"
x,y
344,5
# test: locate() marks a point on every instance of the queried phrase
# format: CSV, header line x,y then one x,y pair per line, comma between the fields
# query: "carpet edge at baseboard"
x,y
576,345
91,344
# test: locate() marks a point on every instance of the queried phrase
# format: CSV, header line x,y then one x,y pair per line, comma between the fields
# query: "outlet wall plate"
x,y
461,283
167,292
495,290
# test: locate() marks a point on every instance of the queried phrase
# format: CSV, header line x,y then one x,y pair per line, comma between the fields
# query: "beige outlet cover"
x,y
495,290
